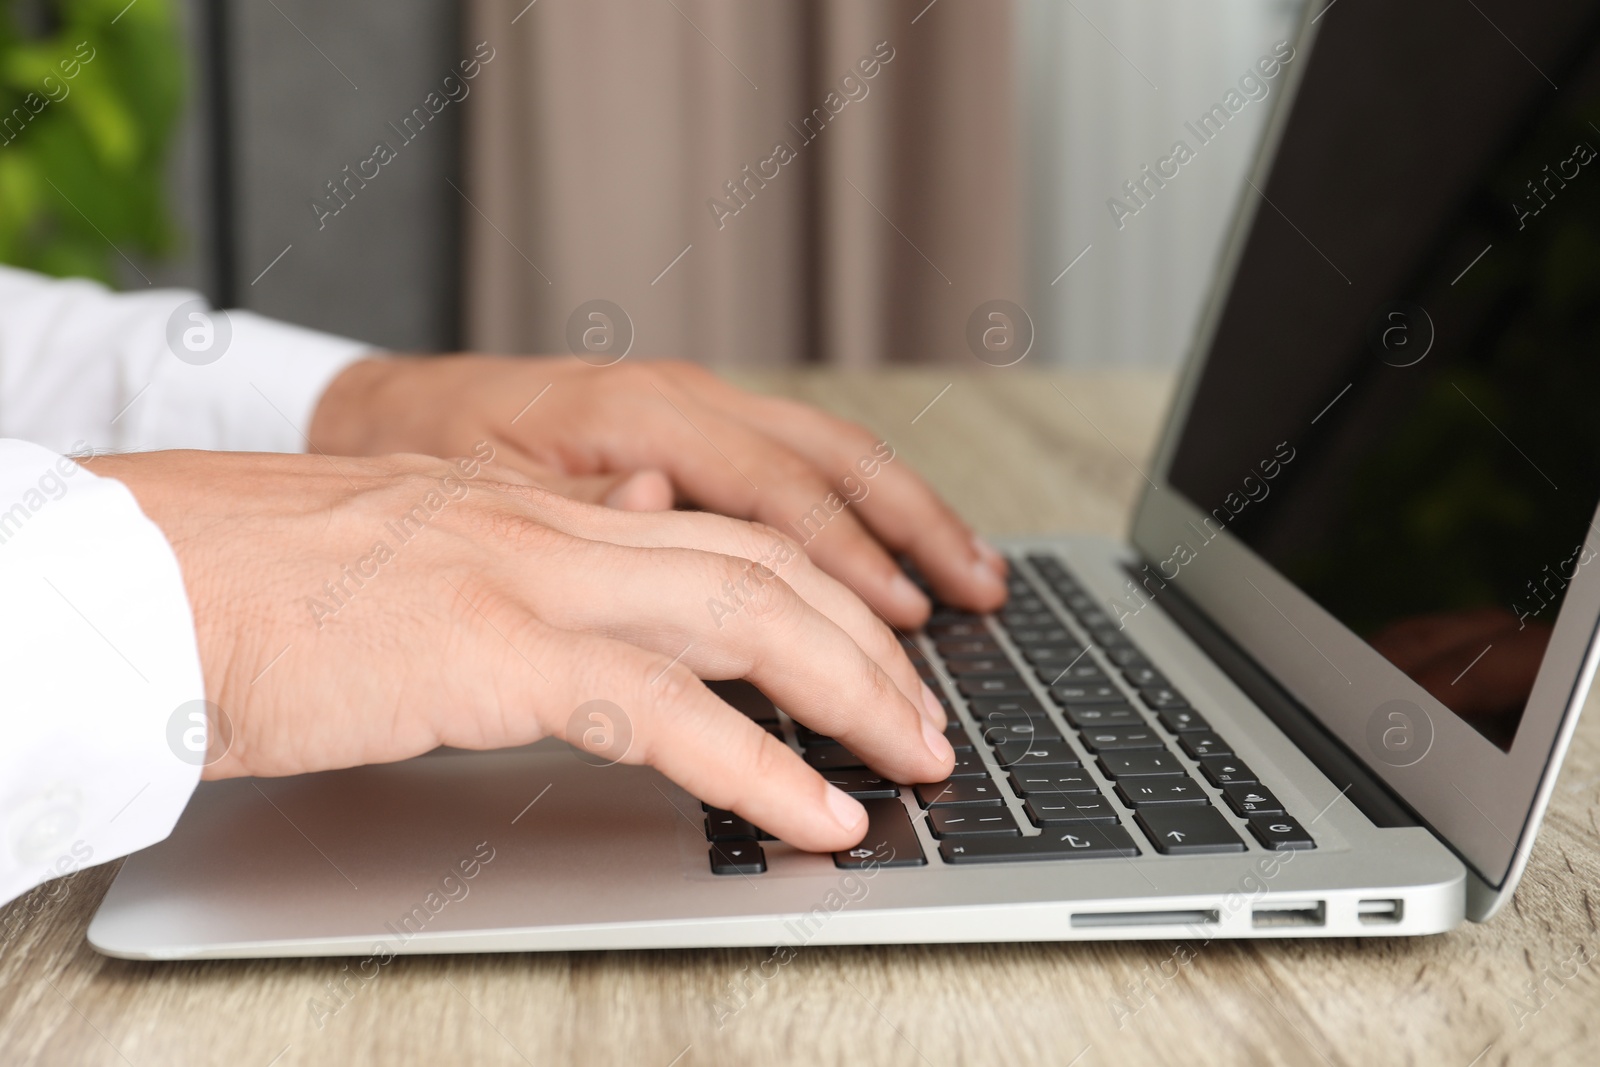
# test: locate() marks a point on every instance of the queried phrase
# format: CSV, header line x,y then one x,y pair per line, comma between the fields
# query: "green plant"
x,y
90,91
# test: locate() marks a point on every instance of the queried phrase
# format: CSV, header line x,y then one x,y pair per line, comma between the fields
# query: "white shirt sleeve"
x,y
103,725
82,367
101,672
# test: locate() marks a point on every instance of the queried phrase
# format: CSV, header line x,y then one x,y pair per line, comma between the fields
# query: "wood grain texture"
x,y
1011,452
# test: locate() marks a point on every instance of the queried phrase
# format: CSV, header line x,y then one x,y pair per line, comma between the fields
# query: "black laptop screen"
x,y
1400,408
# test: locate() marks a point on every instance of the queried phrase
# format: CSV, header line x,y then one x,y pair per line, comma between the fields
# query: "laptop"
x,y
1322,689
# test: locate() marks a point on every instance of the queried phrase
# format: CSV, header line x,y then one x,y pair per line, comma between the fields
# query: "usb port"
x,y
1376,912
1290,913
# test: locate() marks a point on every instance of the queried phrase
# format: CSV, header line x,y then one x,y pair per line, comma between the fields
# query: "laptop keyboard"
x,y
1102,770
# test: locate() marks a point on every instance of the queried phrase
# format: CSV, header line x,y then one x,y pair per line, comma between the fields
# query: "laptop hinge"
x,y
1370,796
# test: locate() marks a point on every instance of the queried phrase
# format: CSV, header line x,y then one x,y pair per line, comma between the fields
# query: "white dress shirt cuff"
x,y
258,395
101,698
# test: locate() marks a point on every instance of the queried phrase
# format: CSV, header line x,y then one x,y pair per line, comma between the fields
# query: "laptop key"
x,y
1095,619
1188,831
1017,585
832,758
979,666
737,857
1109,637
991,709
745,698
1010,685
1085,672
1026,620
1163,697
1126,656
969,765
957,736
1141,764
968,646
1081,841
891,840
809,737
1250,800
999,720
1144,677
1121,738
1281,833
1048,780
1200,745
1104,715
1055,636
862,784
965,822
1086,694
1058,809
1182,720
970,627
1226,770
958,792
1030,754
1078,602
1152,792
726,826
1019,730
1057,656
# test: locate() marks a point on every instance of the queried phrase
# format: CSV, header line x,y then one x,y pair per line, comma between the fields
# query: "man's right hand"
x,y
354,611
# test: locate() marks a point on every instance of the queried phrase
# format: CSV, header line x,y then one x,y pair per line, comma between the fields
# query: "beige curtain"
x,y
602,132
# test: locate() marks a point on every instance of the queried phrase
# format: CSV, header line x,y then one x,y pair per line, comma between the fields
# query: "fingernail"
x,y
990,565
845,809
937,743
905,592
932,710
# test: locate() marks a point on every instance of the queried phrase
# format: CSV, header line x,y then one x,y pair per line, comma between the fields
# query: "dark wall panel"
x,y
316,87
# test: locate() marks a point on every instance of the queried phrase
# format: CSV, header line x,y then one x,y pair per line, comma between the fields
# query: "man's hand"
x,y
355,611
639,436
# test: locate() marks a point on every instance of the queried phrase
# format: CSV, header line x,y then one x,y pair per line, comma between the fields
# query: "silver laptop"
x,y
1324,688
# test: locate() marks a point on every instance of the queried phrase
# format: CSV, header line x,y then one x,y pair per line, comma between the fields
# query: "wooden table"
x,y
1016,456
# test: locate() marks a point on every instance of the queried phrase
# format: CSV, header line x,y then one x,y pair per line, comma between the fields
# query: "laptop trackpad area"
x,y
448,842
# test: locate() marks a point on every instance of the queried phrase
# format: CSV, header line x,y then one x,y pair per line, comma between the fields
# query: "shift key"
x,y
891,840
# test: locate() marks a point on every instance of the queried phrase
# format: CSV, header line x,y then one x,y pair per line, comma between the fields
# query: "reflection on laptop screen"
x,y
1401,406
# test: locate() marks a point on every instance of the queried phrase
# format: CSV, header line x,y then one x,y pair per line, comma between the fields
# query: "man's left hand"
x,y
644,436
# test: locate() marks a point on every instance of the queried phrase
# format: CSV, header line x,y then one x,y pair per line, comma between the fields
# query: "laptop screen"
x,y
1400,408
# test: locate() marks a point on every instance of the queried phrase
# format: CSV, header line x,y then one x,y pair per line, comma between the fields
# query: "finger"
x,y
677,602
675,724
760,544
728,467
894,502
643,490
639,490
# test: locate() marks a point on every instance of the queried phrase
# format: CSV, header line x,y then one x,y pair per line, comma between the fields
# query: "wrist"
x,y
342,423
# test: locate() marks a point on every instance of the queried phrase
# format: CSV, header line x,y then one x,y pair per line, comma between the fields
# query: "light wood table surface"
x,y
1016,456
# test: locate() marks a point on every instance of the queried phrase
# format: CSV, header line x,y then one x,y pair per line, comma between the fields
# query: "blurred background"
x,y
428,176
